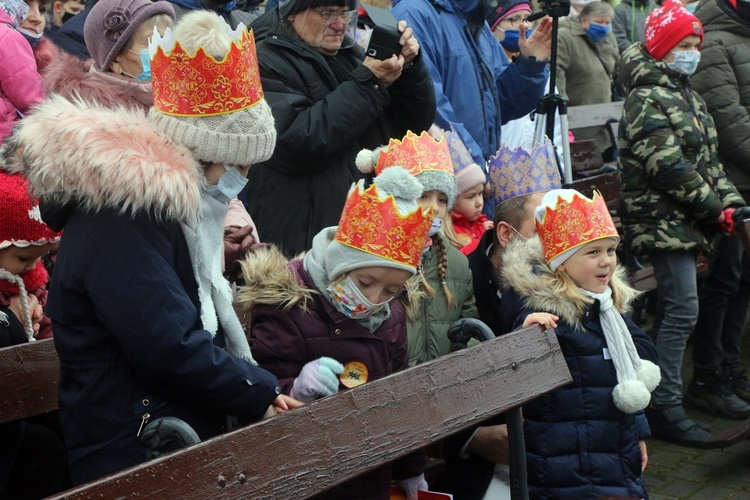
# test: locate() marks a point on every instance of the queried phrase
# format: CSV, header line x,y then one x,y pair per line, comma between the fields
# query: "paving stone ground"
x,y
676,471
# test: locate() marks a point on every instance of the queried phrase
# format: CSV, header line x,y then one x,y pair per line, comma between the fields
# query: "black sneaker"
x,y
714,396
738,382
673,424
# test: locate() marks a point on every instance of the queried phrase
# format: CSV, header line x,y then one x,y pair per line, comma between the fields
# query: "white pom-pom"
x,y
366,161
400,183
649,374
631,396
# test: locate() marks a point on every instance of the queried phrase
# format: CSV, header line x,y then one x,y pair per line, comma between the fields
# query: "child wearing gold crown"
x,y
143,318
585,440
334,319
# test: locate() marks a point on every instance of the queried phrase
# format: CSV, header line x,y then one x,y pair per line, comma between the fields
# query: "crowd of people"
x,y
223,211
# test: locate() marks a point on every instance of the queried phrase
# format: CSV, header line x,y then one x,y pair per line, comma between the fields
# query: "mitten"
x,y
317,379
413,484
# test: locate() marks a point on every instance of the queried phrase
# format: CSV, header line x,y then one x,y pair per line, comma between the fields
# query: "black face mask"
x,y
66,16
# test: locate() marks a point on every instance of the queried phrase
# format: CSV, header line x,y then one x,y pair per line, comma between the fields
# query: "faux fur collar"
x,y
94,158
524,270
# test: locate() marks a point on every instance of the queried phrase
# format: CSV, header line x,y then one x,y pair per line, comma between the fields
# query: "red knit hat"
x,y
20,222
667,26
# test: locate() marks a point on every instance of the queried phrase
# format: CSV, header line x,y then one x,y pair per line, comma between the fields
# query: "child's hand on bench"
x,y
545,320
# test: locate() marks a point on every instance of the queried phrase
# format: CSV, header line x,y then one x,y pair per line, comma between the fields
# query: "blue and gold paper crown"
x,y
459,154
517,172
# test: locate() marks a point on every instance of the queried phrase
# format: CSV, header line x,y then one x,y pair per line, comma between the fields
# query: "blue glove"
x,y
317,379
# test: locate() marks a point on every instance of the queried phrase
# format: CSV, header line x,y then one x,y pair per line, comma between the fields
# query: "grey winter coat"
x,y
629,22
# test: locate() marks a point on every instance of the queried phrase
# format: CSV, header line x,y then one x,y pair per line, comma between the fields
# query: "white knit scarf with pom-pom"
x,y
636,377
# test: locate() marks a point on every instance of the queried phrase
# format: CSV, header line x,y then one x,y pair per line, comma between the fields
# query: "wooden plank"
x,y
28,380
607,184
311,449
592,115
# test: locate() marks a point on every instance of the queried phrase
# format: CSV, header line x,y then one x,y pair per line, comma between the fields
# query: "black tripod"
x,y
545,111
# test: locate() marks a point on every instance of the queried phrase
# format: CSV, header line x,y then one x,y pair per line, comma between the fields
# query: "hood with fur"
x,y
81,155
72,78
269,281
524,270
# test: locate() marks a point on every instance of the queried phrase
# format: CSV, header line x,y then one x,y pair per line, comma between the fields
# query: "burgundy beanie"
x,y
667,26
111,23
500,9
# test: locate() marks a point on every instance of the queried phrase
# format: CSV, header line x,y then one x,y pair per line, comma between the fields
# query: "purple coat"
x,y
283,342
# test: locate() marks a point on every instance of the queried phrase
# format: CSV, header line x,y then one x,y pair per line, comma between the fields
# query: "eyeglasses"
x,y
330,15
517,21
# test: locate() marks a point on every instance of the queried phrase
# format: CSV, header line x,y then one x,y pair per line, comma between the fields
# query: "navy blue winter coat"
x,y
122,298
579,445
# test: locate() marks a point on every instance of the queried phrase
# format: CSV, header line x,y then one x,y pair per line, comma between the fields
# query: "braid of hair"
x,y
428,290
27,325
442,254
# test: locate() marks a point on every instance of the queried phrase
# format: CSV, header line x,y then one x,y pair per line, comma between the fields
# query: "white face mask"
x,y
349,300
230,184
435,227
685,61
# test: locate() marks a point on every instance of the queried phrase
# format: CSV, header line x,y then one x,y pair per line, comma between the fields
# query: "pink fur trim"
x,y
76,152
45,53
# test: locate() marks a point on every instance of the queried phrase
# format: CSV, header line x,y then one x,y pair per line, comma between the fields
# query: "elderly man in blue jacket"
x,y
471,72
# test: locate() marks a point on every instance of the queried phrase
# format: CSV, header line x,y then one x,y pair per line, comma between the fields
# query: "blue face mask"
x,y
145,75
510,43
31,37
685,61
230,184
691,6
597,32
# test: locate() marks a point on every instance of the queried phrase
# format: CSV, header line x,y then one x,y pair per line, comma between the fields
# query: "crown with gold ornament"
x,y
567,219
517,172
374,225
416,153
199,85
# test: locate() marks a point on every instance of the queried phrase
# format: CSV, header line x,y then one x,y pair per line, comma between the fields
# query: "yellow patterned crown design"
x,y
572,220
416,153
517,172
375,226
198,84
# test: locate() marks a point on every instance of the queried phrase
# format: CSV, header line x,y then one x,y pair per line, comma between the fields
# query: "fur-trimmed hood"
x,y
72,78
269,281
82,155
524,270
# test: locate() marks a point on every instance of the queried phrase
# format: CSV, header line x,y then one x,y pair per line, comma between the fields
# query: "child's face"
x,y
19,260
470,203
593,265
379,284
437,200
692,42
34,20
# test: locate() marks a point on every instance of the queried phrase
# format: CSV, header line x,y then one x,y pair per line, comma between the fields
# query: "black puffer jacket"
x,y
323,119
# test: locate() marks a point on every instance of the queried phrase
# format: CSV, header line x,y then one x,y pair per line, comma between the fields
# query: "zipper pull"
x,y
144,421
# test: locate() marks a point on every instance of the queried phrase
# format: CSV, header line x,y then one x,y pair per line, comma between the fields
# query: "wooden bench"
x,y
311,449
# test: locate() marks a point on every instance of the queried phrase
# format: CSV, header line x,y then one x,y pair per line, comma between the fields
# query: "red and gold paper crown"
x,y
568,224
375,226
199,85
417,154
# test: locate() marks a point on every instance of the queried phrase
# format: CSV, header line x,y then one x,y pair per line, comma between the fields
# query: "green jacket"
x,y
584,74
673,186
723,80
428,334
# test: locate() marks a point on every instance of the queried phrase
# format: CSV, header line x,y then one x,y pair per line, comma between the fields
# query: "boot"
x,y
713,394
673,424
738,381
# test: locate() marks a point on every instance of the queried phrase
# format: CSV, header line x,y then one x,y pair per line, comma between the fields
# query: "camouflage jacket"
x,y
673,186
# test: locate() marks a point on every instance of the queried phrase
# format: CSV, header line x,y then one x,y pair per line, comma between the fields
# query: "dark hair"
x,y
288,7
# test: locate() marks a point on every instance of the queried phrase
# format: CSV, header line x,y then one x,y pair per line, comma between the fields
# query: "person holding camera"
x,y
329,102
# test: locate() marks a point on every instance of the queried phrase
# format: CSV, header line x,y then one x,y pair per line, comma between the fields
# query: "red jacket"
x,y
474,230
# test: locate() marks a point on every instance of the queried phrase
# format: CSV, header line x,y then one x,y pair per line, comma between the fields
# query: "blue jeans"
x,y
677,313
724,298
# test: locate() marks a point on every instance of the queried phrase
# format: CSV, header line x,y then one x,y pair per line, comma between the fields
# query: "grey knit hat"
x,y
242,137
111,23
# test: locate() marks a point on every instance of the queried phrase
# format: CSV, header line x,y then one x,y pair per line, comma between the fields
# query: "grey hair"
x,y
594,9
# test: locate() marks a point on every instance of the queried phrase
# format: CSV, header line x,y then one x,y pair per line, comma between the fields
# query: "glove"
x,y
412,484
726,222
317,380
741,214
462,330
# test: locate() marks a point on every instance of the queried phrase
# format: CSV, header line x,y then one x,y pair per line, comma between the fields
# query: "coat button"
x,y
337,331
376,86
145,402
